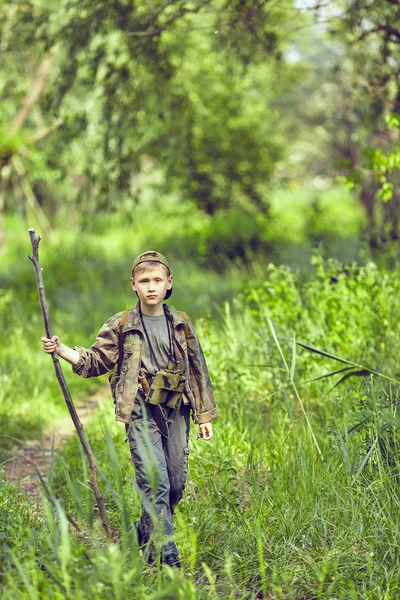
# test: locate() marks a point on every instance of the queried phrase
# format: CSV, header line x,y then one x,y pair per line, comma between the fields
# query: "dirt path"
x,y
20,470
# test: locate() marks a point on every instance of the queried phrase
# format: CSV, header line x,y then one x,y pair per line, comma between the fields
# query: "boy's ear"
x,y
133,284
169,284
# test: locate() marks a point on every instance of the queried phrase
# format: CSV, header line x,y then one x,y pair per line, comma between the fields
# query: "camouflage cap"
x,y
152,256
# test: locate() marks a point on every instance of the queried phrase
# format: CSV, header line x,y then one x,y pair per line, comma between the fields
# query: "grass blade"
x,y
293,364
347,362
264,312
361,373
360,424
330,374
364,462
327,354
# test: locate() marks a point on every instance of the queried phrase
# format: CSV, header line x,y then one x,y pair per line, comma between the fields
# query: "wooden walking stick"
x,y
94,480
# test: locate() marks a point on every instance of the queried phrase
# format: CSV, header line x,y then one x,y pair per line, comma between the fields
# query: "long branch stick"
x,y
94,481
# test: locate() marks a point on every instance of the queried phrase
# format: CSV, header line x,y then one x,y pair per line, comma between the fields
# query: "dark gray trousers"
x,y
161,467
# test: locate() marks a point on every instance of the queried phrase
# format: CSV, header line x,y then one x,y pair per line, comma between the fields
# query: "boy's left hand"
x,y
206,431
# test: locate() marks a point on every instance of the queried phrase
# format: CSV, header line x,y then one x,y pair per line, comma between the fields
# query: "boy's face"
x,y
151,285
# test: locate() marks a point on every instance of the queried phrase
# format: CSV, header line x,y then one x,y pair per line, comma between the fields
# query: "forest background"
x,y
256,143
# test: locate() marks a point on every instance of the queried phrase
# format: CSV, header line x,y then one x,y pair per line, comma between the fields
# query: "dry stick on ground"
x,y
94,481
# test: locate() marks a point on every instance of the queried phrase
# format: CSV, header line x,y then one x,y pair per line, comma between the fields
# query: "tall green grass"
x,y
265,514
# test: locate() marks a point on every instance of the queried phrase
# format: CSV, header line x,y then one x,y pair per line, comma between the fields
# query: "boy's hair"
x,y
149,265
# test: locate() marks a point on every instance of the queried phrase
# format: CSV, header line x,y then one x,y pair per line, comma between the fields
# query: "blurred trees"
x,y
215,101
359,89
181,90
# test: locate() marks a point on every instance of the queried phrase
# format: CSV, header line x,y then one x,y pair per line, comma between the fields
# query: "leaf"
x,y
327,374
293,365
393,120
360,424
385,193
324,353
23,574
360,373
272,329
364,462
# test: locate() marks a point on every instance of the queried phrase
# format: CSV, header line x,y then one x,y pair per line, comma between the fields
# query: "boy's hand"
x,y
51,344
206,431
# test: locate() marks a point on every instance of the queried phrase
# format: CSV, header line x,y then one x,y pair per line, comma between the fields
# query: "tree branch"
x,y
34,93
94,481
391,31
44,131
29,193
161,28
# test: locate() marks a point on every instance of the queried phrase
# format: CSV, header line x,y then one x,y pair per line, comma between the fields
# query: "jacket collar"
x,y
133,321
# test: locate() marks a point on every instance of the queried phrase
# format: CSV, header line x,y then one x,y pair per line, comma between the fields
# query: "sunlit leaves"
x,y
393,120
376,162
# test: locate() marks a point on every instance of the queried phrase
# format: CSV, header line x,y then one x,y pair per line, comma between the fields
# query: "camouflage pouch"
x,y
174,398
167,387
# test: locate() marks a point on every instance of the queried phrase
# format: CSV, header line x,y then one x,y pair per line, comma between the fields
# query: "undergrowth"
x,y
267,513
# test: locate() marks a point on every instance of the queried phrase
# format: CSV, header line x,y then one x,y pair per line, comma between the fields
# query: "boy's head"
x,y
151,267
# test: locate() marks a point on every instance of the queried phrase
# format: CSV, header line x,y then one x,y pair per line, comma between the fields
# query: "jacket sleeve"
x,y
205,409
102,356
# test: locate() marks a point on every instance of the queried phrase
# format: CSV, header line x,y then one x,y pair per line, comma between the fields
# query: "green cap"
x,y
152,256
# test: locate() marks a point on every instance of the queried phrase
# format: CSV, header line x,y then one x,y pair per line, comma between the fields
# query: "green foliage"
x,y
16,523
141,100
379,163
262,510
160,92
372,38
330,525
206,100
296,221
96,263
350,302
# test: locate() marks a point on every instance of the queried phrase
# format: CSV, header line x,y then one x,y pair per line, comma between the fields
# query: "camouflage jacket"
x,y
103,357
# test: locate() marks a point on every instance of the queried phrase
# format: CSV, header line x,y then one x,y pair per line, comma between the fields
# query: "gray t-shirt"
x,y
157,332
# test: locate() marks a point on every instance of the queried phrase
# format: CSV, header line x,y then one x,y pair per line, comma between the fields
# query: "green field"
x,y
296,496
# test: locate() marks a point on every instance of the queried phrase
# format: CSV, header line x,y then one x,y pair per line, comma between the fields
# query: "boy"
x,y
160,375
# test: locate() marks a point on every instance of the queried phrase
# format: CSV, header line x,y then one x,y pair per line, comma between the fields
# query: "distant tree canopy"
x,y
370,93
185,88
207,99
350,95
